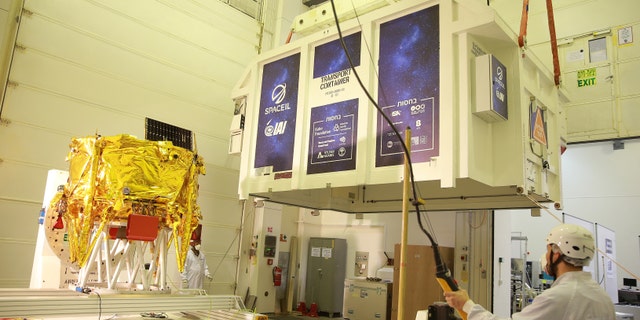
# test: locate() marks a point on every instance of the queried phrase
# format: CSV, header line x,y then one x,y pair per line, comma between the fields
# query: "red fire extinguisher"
x,y
277,276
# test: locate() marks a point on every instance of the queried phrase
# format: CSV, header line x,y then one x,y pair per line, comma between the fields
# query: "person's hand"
x,y
210,277
457,299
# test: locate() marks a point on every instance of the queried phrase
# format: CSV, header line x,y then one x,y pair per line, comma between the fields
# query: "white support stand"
x,y
109,257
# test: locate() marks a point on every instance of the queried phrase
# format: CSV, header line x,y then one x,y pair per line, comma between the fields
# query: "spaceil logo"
x,y
499,83
278,93
277,96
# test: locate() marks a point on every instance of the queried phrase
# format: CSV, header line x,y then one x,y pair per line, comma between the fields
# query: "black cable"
x,y
13,53
541,156
603,268
364,89
223,257
384,98
99,304
366,45
441,268
416,202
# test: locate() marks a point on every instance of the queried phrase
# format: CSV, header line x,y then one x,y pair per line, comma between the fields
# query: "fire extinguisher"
x,y
277,276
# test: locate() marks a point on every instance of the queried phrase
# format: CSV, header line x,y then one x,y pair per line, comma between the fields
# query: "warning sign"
x,y
539,130
625,36
587,77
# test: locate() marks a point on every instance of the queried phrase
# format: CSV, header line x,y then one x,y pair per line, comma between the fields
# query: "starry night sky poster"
x,y
330,58
408,89
332,137
333,106
333,78
277,118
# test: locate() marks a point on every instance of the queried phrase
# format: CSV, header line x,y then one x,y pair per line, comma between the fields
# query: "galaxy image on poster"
x,y
332,137
277,119
330,58
408,87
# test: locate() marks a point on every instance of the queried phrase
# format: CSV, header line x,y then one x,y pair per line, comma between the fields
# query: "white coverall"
x,y
572,296
195,269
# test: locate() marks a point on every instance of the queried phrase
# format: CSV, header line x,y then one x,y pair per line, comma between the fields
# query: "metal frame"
x,y
109,257
57,303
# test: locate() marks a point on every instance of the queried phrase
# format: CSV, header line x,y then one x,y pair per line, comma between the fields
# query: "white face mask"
x,y
197,247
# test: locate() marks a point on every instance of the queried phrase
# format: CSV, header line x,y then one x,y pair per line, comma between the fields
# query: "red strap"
x,y
289,36
554,42
523,23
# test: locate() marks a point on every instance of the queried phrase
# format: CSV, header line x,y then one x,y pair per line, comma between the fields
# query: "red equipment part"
x,y
277,276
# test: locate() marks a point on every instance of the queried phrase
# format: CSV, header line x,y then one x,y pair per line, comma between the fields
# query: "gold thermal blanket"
x,y
113,177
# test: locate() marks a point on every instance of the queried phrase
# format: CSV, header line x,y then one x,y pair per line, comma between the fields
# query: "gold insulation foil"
x,y
113,177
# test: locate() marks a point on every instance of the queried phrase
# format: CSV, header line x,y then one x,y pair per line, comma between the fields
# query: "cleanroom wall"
x,y
82,68
599,186
598,182
605,108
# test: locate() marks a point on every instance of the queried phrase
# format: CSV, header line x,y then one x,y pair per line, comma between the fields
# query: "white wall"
x,y
607,108
572,17
502,261
599,185
87,67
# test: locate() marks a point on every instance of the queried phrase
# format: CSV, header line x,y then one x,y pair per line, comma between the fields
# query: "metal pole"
x,y
406,185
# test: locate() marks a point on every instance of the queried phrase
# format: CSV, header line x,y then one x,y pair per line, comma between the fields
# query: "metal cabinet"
x,y
326,270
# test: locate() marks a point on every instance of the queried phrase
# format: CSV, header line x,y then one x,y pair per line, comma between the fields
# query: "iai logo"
x,y
278,93
275,129
500,73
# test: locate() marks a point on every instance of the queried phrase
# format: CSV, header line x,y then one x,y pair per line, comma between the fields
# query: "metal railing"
x,y
55,303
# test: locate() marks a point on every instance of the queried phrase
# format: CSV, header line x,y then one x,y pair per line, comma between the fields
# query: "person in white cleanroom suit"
x,y
572,296
195,268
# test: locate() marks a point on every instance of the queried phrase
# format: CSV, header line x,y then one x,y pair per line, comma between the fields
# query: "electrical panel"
x,y
270,246
491,89
362,264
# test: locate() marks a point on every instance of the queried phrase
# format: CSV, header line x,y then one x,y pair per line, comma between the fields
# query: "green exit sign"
x,y
587,77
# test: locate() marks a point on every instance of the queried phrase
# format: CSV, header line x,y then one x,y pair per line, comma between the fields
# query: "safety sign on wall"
x,y
587,77
625,36
538,125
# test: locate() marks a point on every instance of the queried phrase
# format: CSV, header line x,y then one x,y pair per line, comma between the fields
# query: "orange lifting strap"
x,y
552,35
523,23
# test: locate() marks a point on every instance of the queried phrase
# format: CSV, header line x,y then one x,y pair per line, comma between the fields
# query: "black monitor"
x,y
629,282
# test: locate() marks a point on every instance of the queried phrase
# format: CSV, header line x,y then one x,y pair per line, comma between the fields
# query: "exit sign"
x,y
587,77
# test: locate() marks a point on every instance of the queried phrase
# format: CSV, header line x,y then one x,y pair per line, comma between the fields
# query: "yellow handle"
x,y
446,288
